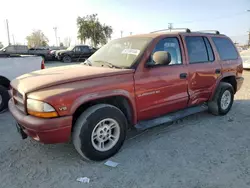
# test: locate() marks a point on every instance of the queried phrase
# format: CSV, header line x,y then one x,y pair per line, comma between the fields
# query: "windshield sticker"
x,y
131,51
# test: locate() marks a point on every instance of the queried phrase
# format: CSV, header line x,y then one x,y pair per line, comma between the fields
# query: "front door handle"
x,y
183,75
217,71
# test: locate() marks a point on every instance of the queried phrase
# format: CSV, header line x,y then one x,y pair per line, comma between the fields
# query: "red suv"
x,y
142,81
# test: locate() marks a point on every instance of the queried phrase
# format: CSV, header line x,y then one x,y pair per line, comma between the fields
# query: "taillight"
x,y
42,65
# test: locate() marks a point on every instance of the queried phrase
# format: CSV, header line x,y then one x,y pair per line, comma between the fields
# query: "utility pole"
x,y
55,29
8,32
248,34
170,26
121,33
249,39
13,37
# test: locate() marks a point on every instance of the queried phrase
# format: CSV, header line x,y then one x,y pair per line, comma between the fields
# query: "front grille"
x,y
18,100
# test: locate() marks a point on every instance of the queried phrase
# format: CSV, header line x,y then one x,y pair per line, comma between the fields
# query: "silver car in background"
x,y
245,55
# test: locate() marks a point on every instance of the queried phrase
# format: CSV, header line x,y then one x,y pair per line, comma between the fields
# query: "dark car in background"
x,y
74,53
11,50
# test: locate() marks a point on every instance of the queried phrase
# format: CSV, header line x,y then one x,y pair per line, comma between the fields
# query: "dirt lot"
x,y
200,151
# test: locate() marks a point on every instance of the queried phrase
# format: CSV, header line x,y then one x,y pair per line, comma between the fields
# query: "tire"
x,y
4,98
87,125
216,106
66,59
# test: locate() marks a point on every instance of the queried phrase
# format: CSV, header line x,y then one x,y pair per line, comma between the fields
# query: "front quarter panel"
x,y
66,98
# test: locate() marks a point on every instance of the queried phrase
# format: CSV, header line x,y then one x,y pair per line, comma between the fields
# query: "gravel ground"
x,y
201,150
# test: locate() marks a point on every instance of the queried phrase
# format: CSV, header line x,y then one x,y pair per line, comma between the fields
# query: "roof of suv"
x,y
175,31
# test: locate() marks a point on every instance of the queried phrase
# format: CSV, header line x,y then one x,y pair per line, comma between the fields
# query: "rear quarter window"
x,y
225,48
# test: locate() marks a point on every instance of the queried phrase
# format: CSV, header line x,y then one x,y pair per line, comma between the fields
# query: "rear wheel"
x,y
67,59
223,99
99,132
4,98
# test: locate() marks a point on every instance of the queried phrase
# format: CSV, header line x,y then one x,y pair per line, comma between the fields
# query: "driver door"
x,y
162,89
77,52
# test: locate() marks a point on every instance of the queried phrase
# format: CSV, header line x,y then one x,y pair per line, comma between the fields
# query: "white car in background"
x,y
12,67
245,55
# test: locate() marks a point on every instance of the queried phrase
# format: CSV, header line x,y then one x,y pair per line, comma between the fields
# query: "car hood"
x,y
61,51
54,76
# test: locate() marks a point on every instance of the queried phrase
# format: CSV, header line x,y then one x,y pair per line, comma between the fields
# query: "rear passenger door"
x,y
203,68
85,52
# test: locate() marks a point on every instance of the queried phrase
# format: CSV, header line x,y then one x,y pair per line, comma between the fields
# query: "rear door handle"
x,y
217,71
183,75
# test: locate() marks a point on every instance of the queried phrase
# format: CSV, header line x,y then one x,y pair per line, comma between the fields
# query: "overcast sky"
x,y
137,16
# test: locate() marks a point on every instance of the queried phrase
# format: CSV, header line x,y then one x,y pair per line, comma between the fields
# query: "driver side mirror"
x,y
161,58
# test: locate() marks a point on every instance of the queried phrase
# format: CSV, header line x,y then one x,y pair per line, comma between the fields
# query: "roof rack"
x,y
173,29
210,31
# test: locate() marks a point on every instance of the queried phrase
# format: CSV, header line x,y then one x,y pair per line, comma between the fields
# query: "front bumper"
x,y
47,131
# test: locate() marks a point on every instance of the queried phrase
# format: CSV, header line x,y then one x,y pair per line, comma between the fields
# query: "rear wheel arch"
x,y
231,80
227,79
121,102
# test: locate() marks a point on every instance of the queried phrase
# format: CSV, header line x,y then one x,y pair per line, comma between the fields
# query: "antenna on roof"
x,y
173,29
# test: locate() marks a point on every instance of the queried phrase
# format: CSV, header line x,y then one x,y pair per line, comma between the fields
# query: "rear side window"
x,y
85,49
197,50
225,48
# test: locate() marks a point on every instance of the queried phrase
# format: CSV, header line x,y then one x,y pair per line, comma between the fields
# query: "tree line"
x,y
89,28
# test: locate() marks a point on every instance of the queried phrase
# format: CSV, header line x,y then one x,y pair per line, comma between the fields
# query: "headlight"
x,y
40,109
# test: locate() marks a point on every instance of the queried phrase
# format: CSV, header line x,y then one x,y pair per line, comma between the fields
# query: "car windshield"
x,y
120,52
3,48
70,48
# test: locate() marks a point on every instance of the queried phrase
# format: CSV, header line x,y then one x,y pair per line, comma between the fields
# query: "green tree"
x,y
107,32
37,39
89,27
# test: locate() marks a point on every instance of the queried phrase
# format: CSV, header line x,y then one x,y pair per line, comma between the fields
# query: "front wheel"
x,y
67,59
223,99
99,132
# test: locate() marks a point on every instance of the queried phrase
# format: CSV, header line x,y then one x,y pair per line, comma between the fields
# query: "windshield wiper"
x,y
109,64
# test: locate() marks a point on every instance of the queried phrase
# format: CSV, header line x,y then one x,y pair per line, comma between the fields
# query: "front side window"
x,y
225,48
197,51
170,45
77,49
